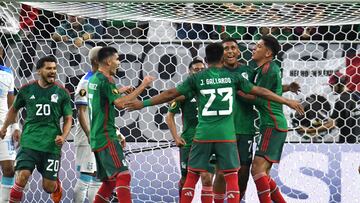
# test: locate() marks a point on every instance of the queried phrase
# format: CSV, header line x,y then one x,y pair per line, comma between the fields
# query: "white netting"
x,y
317,40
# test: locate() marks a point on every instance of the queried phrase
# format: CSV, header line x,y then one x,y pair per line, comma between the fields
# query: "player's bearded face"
x,y
48,72
114,64
231,53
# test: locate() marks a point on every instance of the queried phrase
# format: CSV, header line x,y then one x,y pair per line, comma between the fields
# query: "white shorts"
x,y
7,148
85,159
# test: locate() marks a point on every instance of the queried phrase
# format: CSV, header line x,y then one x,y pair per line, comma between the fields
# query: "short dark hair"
x,y
44,59
229,39
105,53
272,44
195,61
214,52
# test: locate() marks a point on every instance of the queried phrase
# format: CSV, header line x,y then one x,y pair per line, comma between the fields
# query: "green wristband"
x,y
147,102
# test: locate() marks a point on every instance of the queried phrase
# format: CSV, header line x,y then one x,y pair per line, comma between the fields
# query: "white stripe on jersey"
x,y
6,86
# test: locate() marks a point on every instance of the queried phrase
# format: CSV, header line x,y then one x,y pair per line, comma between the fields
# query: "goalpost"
x,y
161,39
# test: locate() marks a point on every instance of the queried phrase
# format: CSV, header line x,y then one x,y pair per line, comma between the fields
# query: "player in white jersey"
x,y
7,149
87,185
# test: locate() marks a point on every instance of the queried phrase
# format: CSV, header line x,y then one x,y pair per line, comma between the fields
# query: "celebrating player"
x,y
87,185
41,140
215,90
187,106
273,125
111,165
7,149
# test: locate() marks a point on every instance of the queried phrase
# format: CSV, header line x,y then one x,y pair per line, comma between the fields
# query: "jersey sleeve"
x,y
187,86
174,107
66,105
12,85
243,84
110,91
81,94
19,100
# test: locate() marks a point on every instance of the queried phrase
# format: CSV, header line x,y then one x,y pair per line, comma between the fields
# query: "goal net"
x,y
318,40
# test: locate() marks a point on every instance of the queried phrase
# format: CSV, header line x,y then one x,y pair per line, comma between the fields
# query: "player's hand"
x,y
126,89
59,140
294,104
121,138
148,80
134,105
180,142
2,133
16,135
294,87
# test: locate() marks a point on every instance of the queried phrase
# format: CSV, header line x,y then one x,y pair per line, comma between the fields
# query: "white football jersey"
x,y
81,98
6,87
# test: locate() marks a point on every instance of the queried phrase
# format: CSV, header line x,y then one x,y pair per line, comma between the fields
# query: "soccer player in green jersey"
x,y
111,165
244,117
187,106
215,89
41,140
273,124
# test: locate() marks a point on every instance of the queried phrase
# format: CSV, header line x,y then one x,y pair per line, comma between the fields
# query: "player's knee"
x,y
8,170
206,179
49,186
22,177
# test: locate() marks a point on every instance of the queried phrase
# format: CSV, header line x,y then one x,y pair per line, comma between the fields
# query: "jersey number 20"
x,y
43,109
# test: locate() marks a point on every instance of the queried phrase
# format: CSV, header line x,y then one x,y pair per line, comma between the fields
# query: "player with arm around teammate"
x,y
215,89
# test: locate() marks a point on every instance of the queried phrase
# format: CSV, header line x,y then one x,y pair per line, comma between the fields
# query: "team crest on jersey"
x,y
82,92
54,98
245,75
115,91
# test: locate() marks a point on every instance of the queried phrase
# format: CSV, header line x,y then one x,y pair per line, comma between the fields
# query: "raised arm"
x,y
164,97
120,102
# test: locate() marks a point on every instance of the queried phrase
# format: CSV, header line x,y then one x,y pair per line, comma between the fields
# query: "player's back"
x,y
215,89
271,113
6,86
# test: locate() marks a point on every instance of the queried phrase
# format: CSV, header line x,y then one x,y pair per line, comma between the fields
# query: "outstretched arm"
x,y
165,96
267,94
324,127
120,102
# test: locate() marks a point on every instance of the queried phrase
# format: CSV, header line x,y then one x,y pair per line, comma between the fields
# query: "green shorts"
x,y
270,144
245,149
110,161
184,159
227,158
46,163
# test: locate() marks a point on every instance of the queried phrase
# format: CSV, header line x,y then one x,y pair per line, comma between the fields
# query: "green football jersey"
x,y
102,94
44,108
215,91
271,113
244,113
189,117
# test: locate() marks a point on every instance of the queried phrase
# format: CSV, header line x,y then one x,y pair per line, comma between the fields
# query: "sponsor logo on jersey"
x,y
54,98
82,92
115,91
32,97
